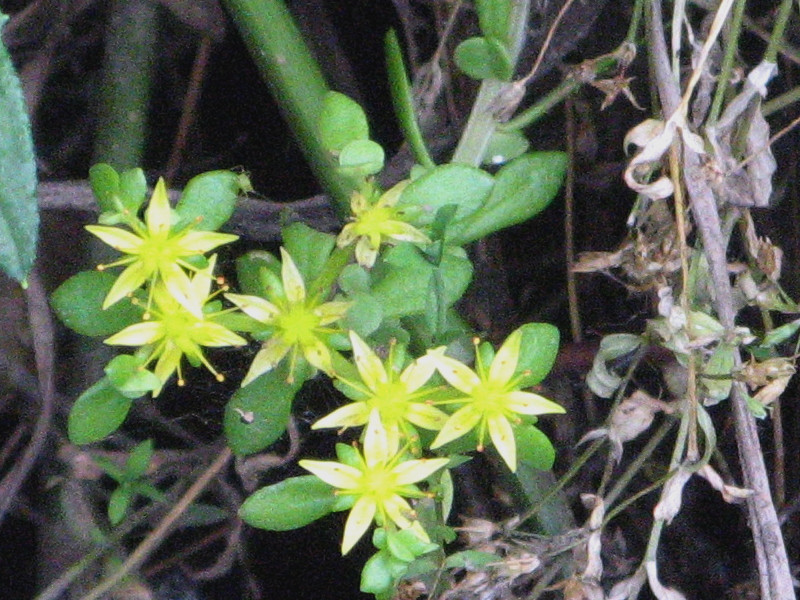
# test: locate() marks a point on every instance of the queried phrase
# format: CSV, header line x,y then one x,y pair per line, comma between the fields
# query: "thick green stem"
x,y
129,55
295,79
483,120
776,39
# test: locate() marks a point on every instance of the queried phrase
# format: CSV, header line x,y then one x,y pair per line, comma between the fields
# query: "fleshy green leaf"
x,y
505,146
104,180
342,121
403,284
493,17
361,158
380,572
98,412
717,379
600,379
292,503
251,269
19,211
128,375
470,559
132,189
210,199
780,334
78,302
309,249
452,184
484,58
118,504
139,460
257,414
538,351
534,448
523,188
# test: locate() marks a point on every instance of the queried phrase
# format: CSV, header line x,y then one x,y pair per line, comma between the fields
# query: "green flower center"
x,y
298,324
488,397
391,399
378,482
374,220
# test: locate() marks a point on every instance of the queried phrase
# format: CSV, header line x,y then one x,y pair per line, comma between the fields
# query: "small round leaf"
x,y
361,158
341,122
98,412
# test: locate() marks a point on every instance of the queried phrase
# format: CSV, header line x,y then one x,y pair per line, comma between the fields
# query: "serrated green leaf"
x,y
97,413
361,158
78,302
209,199
460,185
538,351
341,122
257,414
534,448
484,58
19,211
523,188
292,503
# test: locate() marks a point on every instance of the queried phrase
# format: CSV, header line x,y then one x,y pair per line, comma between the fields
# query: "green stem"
x,y
781,102
538,110
295,80
636,19
483,121
776,39
129,56
731,46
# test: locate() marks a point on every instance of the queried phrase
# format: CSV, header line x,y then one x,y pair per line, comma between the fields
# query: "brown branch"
x,y
258,220
43,343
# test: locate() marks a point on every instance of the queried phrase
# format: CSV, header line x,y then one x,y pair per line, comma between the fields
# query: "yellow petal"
x,y
456,373
330,312
366,252
376,441
405,232
347,236
505,361
503,439
215,335
168,362
426,416
293,285
527,403
399,511
417,374
354,414
260,309
367,362
200,242
318,354
358,521
412,471
138,334
391,196
158,216
271,353
130,280
333,473
117,238
459,423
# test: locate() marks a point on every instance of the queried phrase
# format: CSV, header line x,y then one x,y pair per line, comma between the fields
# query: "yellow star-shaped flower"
x,y
175,329
491,399
397,399
379,481
299,323
156,252
373,224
